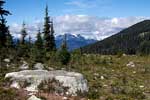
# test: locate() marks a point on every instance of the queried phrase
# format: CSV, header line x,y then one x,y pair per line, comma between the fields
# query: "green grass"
x,y
120,82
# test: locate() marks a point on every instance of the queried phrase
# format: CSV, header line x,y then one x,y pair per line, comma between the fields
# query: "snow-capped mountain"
x,y
74,41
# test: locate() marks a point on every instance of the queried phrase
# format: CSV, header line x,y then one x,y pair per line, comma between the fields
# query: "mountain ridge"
x,y
126,41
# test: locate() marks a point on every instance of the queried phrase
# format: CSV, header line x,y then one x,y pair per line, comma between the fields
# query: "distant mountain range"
x,y
128,41
74,41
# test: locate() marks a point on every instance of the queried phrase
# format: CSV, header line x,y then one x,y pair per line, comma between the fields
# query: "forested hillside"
x,y
133,40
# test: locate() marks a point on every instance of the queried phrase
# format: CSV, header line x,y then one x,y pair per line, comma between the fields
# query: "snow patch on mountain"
x,y
74,41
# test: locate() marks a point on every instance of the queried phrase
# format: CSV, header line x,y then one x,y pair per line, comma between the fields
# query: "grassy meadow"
x,y
113,78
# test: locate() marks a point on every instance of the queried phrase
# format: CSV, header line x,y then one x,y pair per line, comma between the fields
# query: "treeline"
x,y
133,40
41,50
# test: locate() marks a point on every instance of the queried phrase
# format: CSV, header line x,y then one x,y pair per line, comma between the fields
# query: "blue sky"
x,y
31,10
95,19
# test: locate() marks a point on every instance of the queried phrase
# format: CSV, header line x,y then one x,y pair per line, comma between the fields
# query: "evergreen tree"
x,y
3,28
49,40
63,54
30,41
39,41
144,48
23,34
29,44
23,46
53,45
38,49
4,34
9,41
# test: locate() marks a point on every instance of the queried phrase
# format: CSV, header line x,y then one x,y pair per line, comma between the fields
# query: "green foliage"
x,y
63,53
39,41
37,50
93,94
3,28
144,48
23,50
9,41
76,55
23,46
23,34
64,56
8,94
42,98
51,86
119,54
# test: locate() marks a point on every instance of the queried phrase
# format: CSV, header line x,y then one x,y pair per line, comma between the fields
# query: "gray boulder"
x,y
75,81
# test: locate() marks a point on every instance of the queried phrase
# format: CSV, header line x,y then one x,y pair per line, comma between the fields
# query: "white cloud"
x,y
88,3
87,26
81,3
74,6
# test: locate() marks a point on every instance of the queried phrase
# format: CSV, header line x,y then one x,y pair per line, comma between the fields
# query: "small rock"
x,y
65,98
33,97
67,93
49,68
96,74
7,65
124,55
102,77
24,66
15,85
130,64
141,86
39,66
105,85
134,72
7,60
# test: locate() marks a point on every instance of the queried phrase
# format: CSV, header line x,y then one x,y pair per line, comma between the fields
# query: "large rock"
x,y
75,81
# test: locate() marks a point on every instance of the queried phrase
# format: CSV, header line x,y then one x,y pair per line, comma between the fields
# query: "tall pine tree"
x,y
4,35
49,39
4,32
